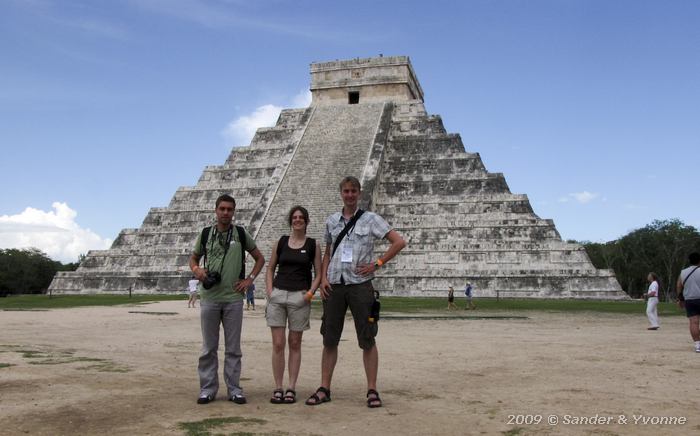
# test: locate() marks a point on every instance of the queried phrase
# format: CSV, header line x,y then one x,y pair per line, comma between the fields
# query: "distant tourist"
x,y
250,297
346,280
192,289
652,297
468,292
688,288
223,288
289,296
451,299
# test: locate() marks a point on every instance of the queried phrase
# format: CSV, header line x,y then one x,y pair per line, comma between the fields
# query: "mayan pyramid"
x,y
366,119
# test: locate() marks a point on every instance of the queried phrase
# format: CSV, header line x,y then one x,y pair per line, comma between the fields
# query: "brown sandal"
x,y
277,397
290,396
318,400
375,401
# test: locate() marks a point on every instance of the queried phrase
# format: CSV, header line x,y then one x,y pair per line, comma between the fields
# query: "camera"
x,y
212,278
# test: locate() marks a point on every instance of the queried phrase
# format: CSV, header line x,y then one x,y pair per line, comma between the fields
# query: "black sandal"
x,y
290,396
372,402
318,400
277,396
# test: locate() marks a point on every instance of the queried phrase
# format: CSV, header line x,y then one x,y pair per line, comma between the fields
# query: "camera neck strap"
x,y
214,237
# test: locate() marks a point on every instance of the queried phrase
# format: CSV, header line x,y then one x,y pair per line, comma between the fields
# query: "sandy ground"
x,y
109,370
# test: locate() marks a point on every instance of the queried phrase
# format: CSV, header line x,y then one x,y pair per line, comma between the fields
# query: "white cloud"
x,y
582,197
240,131
303,99
55,233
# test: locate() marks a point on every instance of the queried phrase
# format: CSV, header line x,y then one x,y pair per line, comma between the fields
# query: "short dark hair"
x,y
227,198
300,209
694,258
352,180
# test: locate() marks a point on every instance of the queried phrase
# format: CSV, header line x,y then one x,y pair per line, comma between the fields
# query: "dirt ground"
x,y
131,370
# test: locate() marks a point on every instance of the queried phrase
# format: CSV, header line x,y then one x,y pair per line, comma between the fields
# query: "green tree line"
x,y
661,247
28,271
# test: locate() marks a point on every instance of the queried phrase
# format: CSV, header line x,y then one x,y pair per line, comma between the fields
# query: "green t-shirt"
x,y
224,291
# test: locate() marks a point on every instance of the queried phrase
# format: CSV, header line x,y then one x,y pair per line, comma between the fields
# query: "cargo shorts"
x,y
359,297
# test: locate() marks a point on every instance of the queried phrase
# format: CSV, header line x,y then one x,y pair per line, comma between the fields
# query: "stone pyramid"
x,y
366,119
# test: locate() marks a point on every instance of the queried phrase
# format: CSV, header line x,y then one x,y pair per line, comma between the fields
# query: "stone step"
x,y
417,191
398,168
407,125
410,146
524,233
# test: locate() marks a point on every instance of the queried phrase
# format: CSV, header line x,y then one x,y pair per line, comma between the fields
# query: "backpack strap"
x,y
203,243
242,241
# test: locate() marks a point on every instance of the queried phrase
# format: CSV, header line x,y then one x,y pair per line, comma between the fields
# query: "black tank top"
x,y
294,265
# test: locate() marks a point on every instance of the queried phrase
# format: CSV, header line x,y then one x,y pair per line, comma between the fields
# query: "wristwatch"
x,y
252,277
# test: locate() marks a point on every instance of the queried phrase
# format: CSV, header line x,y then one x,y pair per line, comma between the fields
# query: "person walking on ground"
x,y
688,287
223,286
348,268
192,289
652,297
250,297
451,299
468,293
289,297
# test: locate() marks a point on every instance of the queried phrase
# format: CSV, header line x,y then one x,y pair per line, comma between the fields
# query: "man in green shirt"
x,y
222,298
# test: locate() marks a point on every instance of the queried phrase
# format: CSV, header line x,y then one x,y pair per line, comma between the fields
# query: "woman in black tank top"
x,y
290,287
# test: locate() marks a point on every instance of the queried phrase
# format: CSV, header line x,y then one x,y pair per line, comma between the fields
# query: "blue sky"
x,y
107,107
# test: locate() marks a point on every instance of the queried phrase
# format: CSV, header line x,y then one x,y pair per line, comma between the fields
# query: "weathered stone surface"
x,y
461,222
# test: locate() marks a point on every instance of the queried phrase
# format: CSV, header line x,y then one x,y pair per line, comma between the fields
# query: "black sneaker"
x,y
238,399
205,399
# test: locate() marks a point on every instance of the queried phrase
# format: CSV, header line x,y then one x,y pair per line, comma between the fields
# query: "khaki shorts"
x,y
288,306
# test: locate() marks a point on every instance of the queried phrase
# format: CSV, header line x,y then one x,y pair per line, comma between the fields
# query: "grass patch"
x,y
430,304
389,304
62,360
153,313
5,365
451,317
60,357
203,427
32,302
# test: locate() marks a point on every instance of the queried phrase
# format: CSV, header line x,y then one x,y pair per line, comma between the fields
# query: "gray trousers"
x,y
230,315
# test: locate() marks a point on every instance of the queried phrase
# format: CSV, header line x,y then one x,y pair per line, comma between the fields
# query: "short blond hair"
x,y
352,180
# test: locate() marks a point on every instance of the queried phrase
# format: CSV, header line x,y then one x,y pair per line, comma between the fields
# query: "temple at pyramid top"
x,y
367,80
367,119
